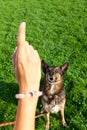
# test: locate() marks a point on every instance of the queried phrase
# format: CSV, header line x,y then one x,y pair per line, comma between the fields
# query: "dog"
x,y
54,97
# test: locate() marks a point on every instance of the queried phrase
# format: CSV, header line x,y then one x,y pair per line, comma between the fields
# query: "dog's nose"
x,y
51,78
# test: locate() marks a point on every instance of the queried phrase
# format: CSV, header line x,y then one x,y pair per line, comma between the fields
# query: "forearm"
x,y
25,119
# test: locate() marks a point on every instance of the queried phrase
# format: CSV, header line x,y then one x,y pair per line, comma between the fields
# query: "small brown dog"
x,y
54,97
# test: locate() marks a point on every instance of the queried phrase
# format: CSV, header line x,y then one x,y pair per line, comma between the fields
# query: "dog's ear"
x,y
44,66
64,67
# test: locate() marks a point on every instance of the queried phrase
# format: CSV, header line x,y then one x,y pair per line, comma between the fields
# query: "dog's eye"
x,y
55,78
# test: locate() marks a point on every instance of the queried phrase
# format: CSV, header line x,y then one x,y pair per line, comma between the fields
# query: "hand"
x,y
27,64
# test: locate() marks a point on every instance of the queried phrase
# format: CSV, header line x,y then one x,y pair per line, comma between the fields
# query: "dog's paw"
x,y
65,125
42,111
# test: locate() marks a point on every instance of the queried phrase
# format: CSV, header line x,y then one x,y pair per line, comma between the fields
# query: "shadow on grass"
x,y
8,91
8,103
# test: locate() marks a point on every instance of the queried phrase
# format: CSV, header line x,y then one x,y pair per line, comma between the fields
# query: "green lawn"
x,y
58,30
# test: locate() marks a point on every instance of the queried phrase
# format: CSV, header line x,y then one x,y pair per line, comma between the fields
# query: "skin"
x,y
27,68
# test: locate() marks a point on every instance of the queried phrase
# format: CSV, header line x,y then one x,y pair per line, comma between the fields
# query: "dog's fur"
x,y
54,97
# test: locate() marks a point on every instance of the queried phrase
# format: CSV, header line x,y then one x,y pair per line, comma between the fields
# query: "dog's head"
x,y
54,74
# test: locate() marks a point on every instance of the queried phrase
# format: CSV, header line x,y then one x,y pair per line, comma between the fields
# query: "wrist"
x,y
28,88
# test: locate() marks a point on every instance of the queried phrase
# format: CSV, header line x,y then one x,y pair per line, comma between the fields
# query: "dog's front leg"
x,y
63,118
47,121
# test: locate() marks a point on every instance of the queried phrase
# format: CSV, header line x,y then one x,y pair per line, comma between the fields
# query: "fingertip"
x,y
23,24
21,32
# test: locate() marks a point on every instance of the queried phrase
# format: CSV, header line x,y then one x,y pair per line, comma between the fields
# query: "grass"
x,y
58,30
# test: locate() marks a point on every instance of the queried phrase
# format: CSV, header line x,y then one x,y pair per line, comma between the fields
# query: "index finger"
x,y
21,33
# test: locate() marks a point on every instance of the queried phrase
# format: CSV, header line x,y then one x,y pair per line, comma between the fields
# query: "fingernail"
x,y
23,24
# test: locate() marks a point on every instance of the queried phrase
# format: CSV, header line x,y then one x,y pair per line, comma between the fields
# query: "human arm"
x,y
27,67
